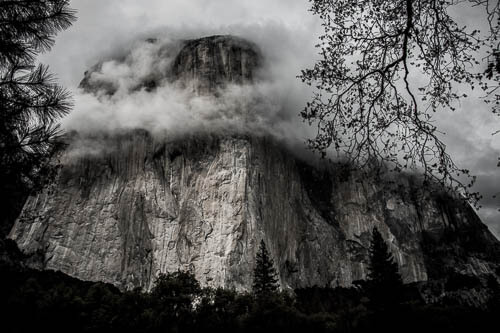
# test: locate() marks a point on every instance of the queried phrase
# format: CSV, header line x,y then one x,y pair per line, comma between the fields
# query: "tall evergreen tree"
x,y
265,276
384,280
383,268
30,100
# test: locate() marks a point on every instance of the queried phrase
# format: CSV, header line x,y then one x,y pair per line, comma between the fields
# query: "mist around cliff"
x,y
120,100
272,105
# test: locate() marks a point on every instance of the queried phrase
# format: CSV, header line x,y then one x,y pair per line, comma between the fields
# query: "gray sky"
x,y
287,33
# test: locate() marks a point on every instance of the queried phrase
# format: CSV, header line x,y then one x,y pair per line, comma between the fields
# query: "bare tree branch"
x,y
367,105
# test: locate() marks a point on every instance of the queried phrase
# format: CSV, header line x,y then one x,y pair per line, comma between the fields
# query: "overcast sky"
x,y
287,33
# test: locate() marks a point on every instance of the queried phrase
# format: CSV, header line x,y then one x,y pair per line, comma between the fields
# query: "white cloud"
x,y
285,31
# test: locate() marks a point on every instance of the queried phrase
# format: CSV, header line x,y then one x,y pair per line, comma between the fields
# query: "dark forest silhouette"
x,y
52,301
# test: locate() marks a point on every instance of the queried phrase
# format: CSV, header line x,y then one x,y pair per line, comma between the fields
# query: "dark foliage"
x,y
384,285
173,299
383,268
494,301
265,279
32,300
457,281
30,100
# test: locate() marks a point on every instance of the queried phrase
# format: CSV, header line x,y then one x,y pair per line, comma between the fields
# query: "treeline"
x,y
46,301
34,300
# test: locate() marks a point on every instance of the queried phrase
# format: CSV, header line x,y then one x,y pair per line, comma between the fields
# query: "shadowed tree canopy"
x,y
265,277
385,67
31,102
383,269
176,291
384,285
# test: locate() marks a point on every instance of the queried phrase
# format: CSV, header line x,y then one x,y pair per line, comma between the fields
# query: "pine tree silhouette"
x,y
383,268
265,276
384,280
31,102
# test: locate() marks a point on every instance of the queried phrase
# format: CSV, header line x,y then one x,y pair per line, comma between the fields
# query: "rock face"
x,y
148,204
202,66
207,64
203,204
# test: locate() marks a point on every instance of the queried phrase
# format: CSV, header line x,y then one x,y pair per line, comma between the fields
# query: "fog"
x,y
268,106
114,32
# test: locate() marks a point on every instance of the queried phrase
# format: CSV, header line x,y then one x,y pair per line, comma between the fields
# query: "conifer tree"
x,y
384,280
30,100
383,268
265,276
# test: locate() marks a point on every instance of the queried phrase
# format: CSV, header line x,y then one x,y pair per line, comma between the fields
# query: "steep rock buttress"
x,y
147,204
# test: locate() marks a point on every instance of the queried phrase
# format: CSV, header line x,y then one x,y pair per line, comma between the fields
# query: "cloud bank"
x,y
117,97
286,33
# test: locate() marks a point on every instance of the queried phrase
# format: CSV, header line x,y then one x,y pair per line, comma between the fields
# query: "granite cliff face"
x,y
208,64
201,66
148,204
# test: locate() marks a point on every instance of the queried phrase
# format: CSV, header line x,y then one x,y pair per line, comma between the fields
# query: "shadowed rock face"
x,y
202,66
144,205
148,205
207,64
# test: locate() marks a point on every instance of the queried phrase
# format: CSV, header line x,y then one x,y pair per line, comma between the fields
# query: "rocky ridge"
x,y
149,203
